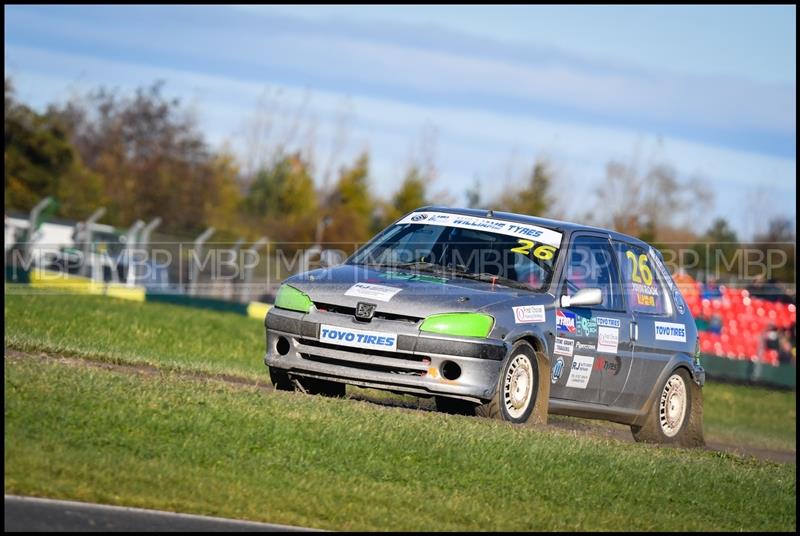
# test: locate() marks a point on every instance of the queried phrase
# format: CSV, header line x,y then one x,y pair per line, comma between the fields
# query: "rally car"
x,y
501,315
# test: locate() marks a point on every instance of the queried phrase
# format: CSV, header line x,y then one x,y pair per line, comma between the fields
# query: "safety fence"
x,y
47,279
717,367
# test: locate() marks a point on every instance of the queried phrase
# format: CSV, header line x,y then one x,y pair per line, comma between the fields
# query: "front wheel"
x,y
280,379
676,416
312,386
316,386
519,393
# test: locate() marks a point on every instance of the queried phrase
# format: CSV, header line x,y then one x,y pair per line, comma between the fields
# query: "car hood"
x,y
419,295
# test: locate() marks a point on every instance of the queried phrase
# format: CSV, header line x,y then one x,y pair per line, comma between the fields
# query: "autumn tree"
x,y
535,197
41,161
153,157
473,195
778,247
411,194
350,206
282,198
651,204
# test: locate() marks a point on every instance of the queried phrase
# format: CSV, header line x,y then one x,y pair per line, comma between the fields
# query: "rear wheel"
x,y
676,416
519,393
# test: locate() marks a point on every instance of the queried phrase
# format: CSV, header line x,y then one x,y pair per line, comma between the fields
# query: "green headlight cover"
x,y
292,299
462,324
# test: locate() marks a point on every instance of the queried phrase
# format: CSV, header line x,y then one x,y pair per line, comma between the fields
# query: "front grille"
x,y
351,311
363,359
363,366
364,351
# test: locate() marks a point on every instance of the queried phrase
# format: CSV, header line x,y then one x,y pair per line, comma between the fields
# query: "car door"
x,y
655,331
593,346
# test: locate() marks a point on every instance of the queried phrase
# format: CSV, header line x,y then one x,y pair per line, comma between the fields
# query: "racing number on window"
x,y
542,252
644,275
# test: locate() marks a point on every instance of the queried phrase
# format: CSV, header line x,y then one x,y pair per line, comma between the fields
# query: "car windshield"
x,y
496,257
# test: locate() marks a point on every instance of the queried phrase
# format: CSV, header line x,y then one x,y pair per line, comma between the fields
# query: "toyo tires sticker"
x,y
358,338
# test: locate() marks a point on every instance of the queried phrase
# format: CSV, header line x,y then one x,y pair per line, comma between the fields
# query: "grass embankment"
x,y
117,331
179,338
160,441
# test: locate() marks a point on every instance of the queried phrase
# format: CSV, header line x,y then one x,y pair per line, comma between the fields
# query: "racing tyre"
x,y
676,416
520,396
454,406
280,379
315,386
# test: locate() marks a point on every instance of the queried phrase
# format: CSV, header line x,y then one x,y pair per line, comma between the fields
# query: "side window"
x,y
591,264
643,286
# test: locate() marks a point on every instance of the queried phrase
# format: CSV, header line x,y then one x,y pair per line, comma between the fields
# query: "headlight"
x,y
292,299
462,324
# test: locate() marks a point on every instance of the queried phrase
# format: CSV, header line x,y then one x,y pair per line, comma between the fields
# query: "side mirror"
x,y
584,297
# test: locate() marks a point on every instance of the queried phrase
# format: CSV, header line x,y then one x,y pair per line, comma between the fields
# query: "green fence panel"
x,y
17,275
780,376
727,368
195,301
744,370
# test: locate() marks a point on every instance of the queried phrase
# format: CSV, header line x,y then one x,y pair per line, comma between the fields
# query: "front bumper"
x,y
420,365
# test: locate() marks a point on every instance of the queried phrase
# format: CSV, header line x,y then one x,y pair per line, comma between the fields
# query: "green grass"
x,y
180,338
119,331
750,416
205,447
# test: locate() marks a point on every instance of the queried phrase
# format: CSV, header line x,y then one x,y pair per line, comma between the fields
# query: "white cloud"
x,y
471,141
534,78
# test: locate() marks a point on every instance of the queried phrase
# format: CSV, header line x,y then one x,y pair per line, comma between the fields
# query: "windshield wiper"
x,y
461,271
422,266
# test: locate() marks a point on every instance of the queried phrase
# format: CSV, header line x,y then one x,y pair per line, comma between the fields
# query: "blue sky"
x,y
711,90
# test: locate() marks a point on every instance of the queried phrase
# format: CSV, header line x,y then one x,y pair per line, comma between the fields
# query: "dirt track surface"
x,y
579,426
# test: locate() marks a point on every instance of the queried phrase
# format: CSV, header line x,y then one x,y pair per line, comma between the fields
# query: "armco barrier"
x,y
49,279
257,310
39,278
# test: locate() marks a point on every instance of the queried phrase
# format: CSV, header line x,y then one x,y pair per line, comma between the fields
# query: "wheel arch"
x,y
535,338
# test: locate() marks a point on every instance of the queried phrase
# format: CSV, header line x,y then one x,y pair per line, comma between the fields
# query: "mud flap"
x,y
694,429
539,413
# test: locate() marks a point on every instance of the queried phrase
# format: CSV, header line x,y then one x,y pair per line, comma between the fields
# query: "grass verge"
x,y
117,331
205,447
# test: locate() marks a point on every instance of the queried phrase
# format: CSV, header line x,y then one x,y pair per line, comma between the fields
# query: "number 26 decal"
x,y
644,274
542,252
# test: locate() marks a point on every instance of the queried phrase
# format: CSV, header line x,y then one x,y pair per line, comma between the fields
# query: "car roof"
x,y
563,226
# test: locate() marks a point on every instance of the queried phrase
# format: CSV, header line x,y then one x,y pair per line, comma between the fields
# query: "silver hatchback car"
x,y
500,315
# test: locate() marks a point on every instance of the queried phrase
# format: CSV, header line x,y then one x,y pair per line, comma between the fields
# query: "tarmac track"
x,y
32,514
